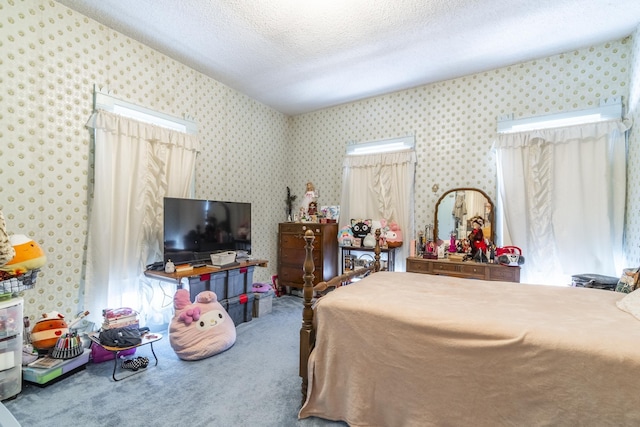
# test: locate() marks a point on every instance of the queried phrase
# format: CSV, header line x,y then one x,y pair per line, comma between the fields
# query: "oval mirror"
x,y
455,210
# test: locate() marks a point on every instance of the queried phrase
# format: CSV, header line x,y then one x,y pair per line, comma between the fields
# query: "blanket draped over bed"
x,y
407,349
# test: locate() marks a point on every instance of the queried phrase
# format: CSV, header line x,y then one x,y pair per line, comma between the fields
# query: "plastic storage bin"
x,y
240,308
239,281
66,367
216,282
11,324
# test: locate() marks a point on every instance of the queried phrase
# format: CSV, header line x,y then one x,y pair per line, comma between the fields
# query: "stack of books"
x,y
119,318
183,267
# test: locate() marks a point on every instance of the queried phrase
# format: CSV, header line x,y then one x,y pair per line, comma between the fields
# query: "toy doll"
x,y
309,196
476,239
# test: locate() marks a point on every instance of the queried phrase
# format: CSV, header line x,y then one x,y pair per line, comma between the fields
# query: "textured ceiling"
x,y
299,56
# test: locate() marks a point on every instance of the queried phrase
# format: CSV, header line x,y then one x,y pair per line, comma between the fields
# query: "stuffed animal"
x,y
345,236
201,329
28,255
370,240
381,224
360,227
394,236
6,248
48,330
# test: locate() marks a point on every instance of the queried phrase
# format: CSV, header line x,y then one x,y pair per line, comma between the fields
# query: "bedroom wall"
x,y
632,237
454,123
50,59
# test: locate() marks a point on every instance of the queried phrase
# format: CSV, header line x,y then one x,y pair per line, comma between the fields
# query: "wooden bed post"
x,y
376,252
306,331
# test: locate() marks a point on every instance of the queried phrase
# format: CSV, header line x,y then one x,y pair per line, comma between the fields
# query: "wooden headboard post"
x,y
307,333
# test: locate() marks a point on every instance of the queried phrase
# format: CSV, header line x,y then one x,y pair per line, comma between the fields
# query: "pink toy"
x,y
201,329
394,235
260,287
345,236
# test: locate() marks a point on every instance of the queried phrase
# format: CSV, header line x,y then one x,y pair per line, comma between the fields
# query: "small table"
x,y
386,254
148,338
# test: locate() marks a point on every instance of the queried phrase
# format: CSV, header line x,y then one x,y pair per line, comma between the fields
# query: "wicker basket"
x,y
17,284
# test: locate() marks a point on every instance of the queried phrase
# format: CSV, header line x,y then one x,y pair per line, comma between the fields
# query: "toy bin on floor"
x,y
61,368
262,303
240,308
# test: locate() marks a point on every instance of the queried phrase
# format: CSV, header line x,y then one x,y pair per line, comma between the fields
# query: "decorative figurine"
x,y
476,239
309,196
452,243
290,199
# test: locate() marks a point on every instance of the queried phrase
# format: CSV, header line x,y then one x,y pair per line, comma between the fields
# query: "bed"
x,y
409,349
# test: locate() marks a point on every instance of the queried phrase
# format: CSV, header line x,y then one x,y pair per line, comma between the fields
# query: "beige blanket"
x,y
406,349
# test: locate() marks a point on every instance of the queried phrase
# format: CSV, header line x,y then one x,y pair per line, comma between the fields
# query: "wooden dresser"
x,y
291,252
467,269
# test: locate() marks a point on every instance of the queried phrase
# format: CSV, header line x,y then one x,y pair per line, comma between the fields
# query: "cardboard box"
x,y
262,303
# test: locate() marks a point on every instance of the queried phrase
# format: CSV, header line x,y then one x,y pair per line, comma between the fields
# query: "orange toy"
x,y
29,255
46,332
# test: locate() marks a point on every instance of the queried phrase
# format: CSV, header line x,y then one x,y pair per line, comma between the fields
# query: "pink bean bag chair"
x,y
201,329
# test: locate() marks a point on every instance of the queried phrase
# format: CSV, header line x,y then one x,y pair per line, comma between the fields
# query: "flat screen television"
x,y
194,229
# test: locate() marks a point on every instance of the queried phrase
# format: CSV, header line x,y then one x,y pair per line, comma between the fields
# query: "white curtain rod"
x,y
609,109
380,146
103,100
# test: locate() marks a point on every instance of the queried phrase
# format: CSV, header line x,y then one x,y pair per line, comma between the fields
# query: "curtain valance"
x,y
119,125
381,159
578,133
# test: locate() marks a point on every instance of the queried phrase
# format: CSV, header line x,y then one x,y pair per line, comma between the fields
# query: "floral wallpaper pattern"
x,y
51,58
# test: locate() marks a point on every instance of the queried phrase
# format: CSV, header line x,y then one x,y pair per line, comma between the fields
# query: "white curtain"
x,y
380,186
136,166
561,197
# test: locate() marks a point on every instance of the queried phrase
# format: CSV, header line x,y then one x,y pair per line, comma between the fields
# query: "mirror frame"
x,y
492,238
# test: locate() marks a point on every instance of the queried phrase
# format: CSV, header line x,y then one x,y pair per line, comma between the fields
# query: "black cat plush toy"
x,y
360,228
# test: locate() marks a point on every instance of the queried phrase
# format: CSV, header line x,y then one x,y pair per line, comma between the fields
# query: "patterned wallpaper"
x,y
454,121
51,58
632,222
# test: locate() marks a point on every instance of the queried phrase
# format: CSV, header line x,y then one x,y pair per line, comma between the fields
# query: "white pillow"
x,y
631,303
